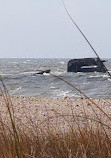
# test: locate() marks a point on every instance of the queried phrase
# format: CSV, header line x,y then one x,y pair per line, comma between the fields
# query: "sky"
x,y
42,28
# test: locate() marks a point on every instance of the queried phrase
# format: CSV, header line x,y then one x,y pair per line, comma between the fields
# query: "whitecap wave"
x,y
95,76
46,74
61,93
15,90
109,79
62,62
105,76
27,73
52,87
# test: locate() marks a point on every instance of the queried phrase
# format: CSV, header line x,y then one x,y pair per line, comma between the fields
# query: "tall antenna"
x,y
104,67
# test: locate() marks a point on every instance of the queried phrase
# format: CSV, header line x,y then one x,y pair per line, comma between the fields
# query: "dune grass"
x,y
90,141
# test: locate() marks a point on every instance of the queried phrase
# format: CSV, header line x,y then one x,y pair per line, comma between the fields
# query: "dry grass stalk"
x,y
91,141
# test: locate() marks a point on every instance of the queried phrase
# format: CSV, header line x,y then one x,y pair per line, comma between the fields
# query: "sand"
x,y
34,112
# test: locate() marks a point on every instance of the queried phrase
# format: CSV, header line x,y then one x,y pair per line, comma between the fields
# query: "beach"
x,y
60,113
62,127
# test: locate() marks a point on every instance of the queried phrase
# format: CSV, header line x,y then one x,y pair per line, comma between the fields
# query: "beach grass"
x,y
76,137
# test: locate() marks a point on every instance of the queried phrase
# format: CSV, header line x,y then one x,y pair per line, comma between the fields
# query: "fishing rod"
x,y
104,67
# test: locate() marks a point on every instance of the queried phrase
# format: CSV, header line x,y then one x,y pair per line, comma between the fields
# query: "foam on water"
x,y
46,74
62,62
105,76
109,79
95,76
52,87
17,89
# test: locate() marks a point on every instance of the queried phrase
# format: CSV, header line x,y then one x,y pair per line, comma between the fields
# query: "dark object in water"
x,y
41,72
85,65
100,66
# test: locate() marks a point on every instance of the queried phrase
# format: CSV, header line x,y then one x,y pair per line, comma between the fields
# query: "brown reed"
x,y
45,141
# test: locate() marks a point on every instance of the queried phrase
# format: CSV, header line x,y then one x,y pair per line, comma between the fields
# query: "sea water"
x,y
21,79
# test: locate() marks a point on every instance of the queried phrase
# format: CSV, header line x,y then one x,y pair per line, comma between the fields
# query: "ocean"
x,y
20,78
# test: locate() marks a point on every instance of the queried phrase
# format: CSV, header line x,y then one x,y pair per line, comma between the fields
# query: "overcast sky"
x,y
42,29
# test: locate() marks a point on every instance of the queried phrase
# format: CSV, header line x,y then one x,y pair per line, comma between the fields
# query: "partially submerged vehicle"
x,y
86,65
